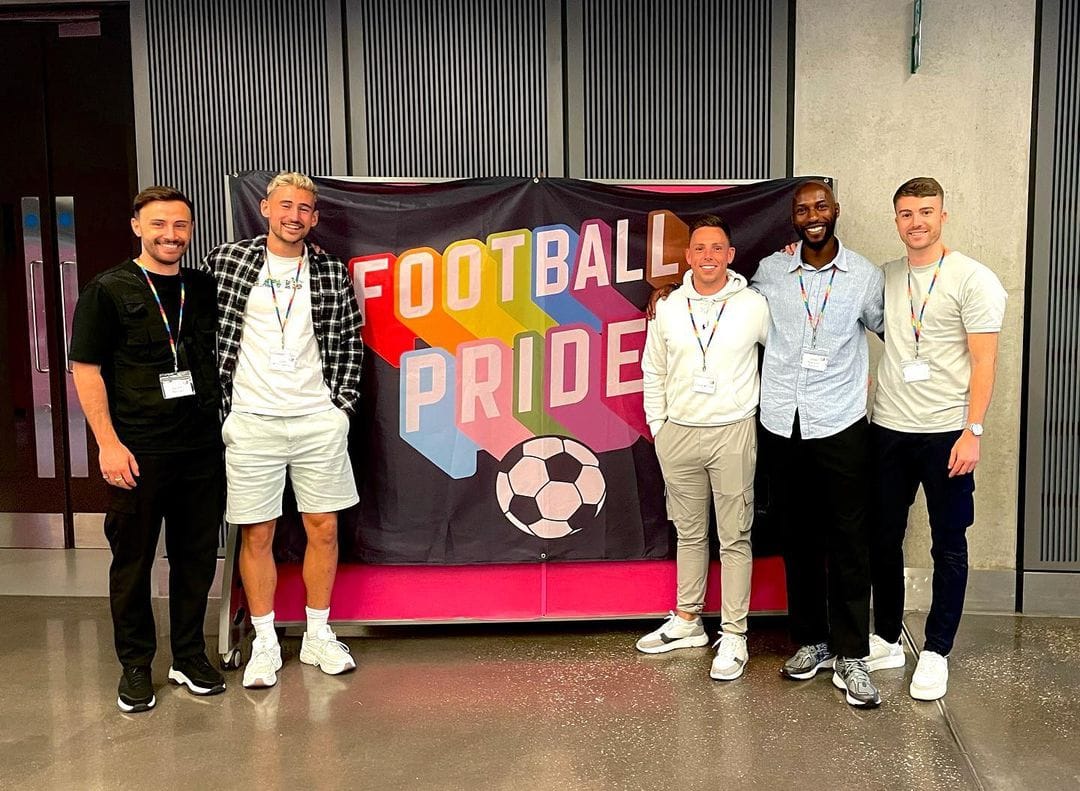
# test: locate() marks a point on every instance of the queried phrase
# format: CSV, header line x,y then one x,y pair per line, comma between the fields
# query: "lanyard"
x,y
164,318
917,323
815,322
693,323
273,293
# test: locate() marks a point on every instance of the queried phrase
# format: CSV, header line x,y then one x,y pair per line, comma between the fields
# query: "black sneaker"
x,y
135,692
807,661
852,676
197,674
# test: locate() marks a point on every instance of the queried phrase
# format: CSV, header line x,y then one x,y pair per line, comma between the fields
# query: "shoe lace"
x,y
137,674
329,638
201,664
806,653
728,648
855,674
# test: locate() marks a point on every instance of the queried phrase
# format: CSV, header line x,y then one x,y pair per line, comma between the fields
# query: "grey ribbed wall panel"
x,y
236,85
676,89
454,89
1060,531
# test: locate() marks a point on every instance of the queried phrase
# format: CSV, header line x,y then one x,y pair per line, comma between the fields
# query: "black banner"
x,y
502,418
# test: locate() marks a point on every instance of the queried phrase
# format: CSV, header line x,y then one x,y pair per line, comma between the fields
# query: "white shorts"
x,y
260,449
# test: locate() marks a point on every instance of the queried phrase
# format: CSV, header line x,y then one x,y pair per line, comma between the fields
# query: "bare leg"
x,y
257,568
320,558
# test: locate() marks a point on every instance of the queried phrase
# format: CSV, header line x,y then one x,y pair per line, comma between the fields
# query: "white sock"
x,y
264,628
316,620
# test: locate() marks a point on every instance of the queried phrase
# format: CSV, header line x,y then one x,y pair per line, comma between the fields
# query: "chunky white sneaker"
x,y
731,657
884,655
327,652
261,670
931,678
676,632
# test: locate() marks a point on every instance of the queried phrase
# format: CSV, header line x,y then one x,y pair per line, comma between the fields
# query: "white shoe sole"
x,y
727,676
928,693
808,674
886,662
180,679
331,670
124,707
694,641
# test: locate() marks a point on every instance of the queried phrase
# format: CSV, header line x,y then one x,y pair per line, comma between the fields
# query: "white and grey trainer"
x,y
261,669
326,652
807,661
731,657
675,632
852,676
884,655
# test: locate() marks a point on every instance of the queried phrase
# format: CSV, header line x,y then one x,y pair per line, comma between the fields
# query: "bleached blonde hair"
x,y
291,178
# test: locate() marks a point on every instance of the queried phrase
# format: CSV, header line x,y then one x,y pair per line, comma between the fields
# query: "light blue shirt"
x,y
830,400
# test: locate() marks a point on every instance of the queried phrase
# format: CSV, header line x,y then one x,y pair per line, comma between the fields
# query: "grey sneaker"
x,y
852,676
674,633
807,661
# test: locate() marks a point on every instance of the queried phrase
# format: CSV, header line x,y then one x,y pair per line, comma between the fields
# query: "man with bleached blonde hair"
x,y
289,355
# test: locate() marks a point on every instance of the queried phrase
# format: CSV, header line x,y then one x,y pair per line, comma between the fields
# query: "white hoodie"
x,y
673,359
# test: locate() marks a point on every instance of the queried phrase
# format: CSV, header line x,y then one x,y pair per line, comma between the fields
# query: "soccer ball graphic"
x,y
550,487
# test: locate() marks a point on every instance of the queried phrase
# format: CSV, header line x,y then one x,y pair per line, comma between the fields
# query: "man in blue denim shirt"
x,y
813,407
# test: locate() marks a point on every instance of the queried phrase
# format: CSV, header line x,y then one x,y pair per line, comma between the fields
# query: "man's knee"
x,y
258,539
322,530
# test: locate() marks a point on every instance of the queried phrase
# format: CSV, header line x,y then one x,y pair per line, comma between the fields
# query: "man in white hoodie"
x,y
701,396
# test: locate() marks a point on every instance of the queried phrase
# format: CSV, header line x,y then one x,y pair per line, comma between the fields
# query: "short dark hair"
x,y
711,221
161,193
921,187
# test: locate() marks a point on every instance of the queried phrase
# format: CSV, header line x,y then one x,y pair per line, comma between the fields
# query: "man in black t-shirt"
x,y
142,347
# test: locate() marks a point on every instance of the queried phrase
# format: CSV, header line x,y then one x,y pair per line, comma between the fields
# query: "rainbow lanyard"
x,y
917,323
815,322
164,318
693,323
273,294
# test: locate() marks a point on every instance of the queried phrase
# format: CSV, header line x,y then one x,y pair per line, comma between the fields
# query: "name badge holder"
x,y
178,384
918,369
284,361
703,382
814,359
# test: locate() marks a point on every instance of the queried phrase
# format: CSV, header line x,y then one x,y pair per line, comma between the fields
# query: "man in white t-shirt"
x,y
943,313
701,396
289,354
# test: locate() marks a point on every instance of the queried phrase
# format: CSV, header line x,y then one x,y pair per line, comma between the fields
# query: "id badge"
x,y
177,385
916,370
283,361
703,383
814,360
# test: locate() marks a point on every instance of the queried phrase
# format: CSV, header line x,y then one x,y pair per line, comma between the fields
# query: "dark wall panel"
x,y
236,85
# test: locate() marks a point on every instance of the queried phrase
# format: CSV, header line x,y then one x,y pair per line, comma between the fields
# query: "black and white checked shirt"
x,y
334,314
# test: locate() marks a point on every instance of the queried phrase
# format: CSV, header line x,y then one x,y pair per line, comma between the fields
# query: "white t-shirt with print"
x,y
257,387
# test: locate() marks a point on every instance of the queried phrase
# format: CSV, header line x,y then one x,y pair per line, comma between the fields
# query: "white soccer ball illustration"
x,y
550,487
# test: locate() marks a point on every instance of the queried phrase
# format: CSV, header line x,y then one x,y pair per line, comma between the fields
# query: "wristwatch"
x,y
976,429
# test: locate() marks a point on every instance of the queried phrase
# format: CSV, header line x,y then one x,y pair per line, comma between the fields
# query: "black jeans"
x,y
187,490
904,461
821,488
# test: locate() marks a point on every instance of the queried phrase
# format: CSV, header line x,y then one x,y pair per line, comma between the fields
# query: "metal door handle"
x,y
34,314
64,305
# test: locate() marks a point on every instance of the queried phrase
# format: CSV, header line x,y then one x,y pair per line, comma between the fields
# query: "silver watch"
x,y
976,429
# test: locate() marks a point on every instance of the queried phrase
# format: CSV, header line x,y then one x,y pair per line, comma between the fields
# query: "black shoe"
x,y
135,692
851,676
198,675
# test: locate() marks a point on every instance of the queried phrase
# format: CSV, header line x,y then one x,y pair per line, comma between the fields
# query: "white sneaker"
x,y
931,678
261,670
731,657
884,655
327,652
676,632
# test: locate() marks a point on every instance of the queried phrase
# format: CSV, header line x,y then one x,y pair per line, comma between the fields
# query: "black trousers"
x,y
821,491
903,462
187,491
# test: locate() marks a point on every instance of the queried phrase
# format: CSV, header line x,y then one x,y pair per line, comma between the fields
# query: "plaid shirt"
x,y
334,314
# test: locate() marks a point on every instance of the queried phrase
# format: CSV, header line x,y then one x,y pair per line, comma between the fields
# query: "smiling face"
x,y
709,255
919,221
292,214
164,228
814,212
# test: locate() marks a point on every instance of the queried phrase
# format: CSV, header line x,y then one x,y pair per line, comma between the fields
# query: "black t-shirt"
x,y
108,319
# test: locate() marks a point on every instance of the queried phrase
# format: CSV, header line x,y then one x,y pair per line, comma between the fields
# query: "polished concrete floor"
x,y
549,706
